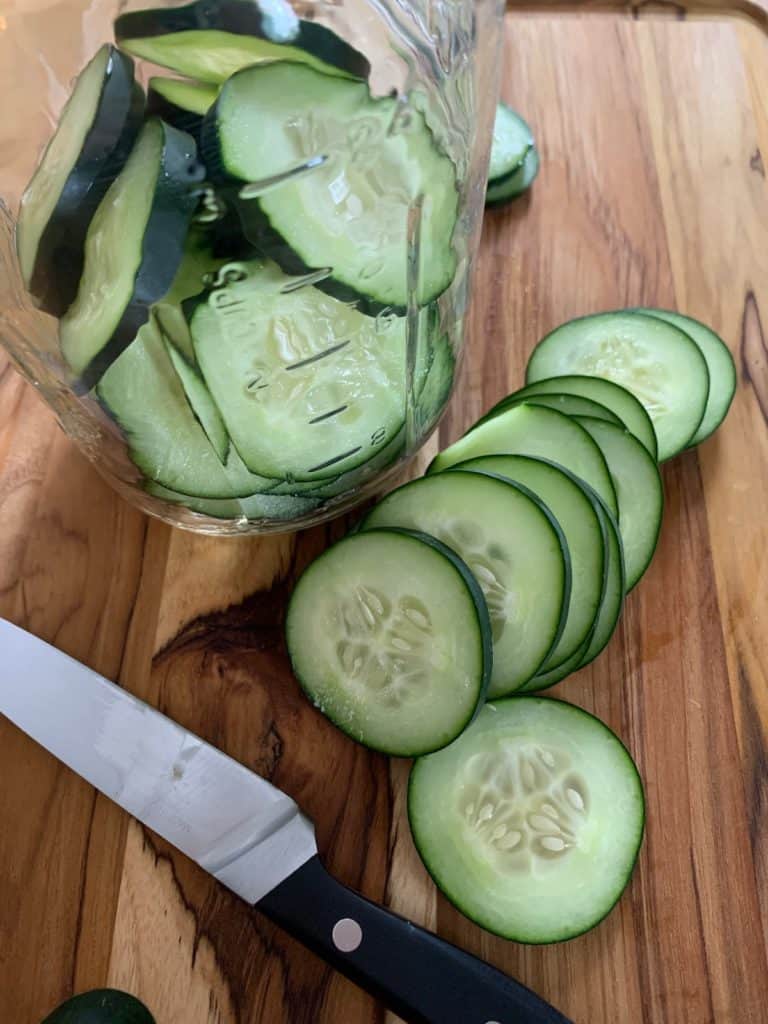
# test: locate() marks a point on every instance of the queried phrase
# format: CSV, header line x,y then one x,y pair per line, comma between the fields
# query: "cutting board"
x,y
653,191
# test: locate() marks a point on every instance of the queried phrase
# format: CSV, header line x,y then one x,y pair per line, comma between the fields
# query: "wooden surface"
x,y
653,190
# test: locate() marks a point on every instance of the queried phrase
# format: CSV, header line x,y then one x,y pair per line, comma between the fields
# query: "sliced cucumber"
x,y
609,395
265,508
307,386
436,389
513,545
388,634
567,499
133,249
212,39
328,174
660,364
571,405
199,398
541,433
144,395
353,479
191,97
722,369
96,130
502,192
511,142
639,492
531,822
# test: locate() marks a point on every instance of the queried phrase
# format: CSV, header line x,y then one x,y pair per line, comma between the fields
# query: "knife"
x,y
249,835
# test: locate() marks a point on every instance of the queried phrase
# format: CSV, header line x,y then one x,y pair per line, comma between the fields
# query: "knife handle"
x,y
422,978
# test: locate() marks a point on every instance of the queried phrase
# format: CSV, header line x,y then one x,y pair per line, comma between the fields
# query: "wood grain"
x,y
653,190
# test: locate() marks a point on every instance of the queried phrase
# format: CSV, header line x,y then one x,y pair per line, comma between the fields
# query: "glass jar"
x,y
239,272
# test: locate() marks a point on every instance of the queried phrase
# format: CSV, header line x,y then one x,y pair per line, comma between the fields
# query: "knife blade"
x,y
248,834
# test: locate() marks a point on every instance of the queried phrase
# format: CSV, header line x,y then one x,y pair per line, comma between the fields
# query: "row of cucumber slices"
x,y
499,573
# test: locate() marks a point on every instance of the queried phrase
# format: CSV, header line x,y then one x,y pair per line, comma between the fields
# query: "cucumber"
x,y
512,140
101,1006
570,405
389,636
575,510
543,433
502,192
660,364
307,386
513,545
199,398
609,395
433,396
96,130
262,508
722,369
639,492
181,103
133,249
142,392
355,478
531,822
212,39
330,188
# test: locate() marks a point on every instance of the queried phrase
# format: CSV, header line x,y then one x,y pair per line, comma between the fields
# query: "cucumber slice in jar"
x,y
331,176
266,509
543,433
307,386
608,394
511,142
515,548
134,246
660,364
96,130
199,398
575,510
722,369
187,97
212,39
639,491
531,822
389,636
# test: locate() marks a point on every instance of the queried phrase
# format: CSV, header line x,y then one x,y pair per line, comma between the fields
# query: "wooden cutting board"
x,y
653,191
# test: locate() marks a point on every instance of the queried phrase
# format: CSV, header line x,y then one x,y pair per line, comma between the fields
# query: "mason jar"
x,y
237,239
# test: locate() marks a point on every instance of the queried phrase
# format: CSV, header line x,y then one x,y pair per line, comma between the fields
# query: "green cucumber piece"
x,y
389,636
101,1006
531,822
514,546
570,405
189,97
543,433
502,192
512,139
261,507
660,364
199,398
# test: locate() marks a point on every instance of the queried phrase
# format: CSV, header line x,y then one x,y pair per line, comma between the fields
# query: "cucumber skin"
x,y
244,19
517,936
61,248
101,1006
175,200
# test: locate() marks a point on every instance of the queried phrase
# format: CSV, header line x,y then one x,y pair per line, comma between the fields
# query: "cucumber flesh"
x,y
722,369
436,389
570,405
512,544
389,636
639,492
660,364
531,822
541,433
498,194
512,139
574,509
199,398
307,386
267,508
193,97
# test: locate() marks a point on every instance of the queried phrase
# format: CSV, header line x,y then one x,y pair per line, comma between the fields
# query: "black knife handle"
x,y
422,978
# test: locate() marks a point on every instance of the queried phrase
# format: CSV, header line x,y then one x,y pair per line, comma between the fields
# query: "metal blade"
x,y
236,825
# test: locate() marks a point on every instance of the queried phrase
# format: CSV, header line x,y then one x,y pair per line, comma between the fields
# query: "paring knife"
x,y
249,835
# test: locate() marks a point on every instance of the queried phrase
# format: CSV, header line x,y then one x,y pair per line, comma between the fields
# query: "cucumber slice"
x,y
199,398
570,405
353,478
639,491
543,433
389,636
660,364
256,508
188,97
512,139
307,386
498,194
722,369
609,395
513,545
436,390
101,1006
96,130
531,822
133,249
212,39
144,395
197,267
611,602
331,187
574,509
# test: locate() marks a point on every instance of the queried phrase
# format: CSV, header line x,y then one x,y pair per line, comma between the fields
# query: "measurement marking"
x,y
256,384
337,458
327,415
319,355
257,188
